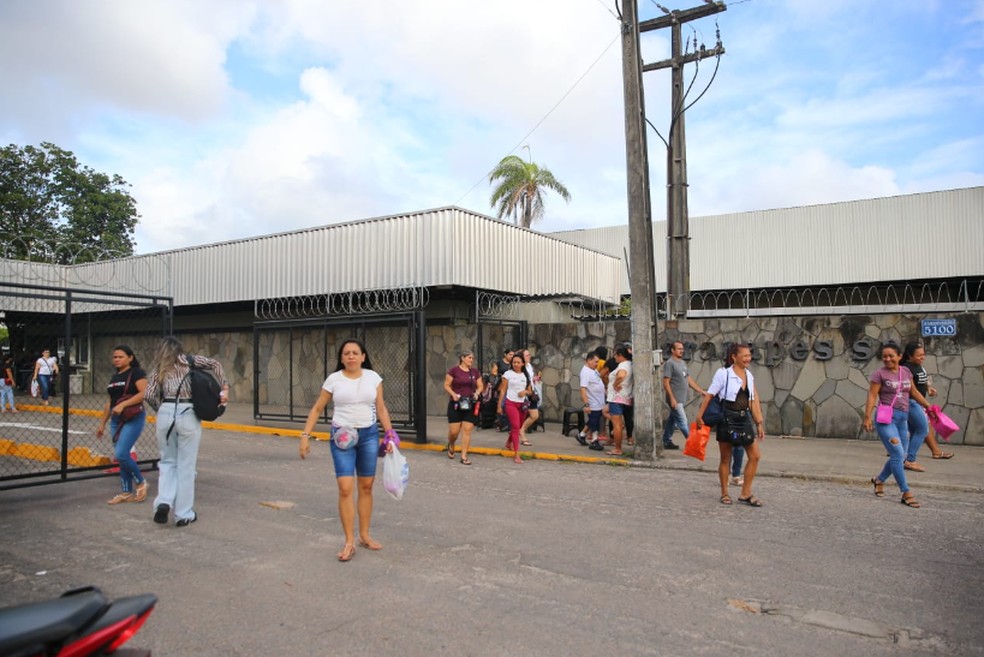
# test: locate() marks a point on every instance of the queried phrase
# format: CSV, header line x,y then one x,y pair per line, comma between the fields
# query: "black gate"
x,y
53,440
495,336
293,358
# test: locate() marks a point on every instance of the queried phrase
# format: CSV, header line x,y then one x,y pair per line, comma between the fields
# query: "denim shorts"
x,y
361,458
614,408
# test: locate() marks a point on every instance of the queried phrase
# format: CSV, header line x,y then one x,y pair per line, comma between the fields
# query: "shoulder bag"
x,y
886,411
133,410
714,413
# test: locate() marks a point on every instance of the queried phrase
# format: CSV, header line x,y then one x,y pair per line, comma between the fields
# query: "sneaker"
x,y
184,522
670,446
582,438
737,481
121,497
140,493
596,445
160,515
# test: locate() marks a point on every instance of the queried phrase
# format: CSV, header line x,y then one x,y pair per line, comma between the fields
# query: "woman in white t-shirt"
x,y
514,388
45,369
357,393
619,396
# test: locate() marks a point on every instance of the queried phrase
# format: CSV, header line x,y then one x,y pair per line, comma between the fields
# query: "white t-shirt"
x,y
354,399
624,394
46,366
591,380
516,381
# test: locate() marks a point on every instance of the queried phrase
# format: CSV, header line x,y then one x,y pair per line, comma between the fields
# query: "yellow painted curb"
x,y
84,458
6,446
36,452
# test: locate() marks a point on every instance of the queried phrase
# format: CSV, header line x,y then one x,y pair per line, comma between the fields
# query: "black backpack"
x,y
205,392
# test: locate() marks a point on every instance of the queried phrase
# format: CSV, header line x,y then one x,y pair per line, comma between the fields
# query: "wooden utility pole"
x,y
677,213
642,272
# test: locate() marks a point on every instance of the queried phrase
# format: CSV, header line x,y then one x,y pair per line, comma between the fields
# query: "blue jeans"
x,y
898,431
6,397
360,459
918,430
130,474
44,382
179,458
677,419
737,456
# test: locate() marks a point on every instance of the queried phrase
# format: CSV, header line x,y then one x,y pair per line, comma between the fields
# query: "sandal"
x,y
614,453
915,467
879,487
525,443
348,551
465,461
370,544
751,500
910,501
943,455
450,451
726,500
121,497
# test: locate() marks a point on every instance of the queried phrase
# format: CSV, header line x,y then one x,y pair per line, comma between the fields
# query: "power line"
x,y
545,116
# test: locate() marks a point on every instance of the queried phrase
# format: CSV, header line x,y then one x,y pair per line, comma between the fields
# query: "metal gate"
x,y
293,358
53,440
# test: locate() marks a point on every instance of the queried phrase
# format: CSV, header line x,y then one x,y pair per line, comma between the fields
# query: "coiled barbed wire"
x,y
361,302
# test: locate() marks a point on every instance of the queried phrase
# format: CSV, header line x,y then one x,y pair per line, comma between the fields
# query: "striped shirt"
x,y
172,387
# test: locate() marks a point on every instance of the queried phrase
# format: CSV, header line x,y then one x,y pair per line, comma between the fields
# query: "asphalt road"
x,y
543,558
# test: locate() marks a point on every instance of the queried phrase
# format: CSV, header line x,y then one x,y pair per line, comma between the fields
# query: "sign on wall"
x,y
933,328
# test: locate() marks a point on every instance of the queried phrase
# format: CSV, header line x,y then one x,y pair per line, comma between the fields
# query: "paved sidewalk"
x,y
827,459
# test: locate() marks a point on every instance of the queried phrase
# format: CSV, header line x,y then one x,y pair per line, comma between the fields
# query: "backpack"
x,y
205,392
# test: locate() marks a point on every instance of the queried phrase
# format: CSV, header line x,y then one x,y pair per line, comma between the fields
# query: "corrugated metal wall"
x,y
918,236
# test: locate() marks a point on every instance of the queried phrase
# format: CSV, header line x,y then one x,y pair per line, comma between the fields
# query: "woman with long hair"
x,y
464,385
179,431
357,394
735,386
130,380
533,412
7,385
913,358
620,396
891,386
514,388
45,370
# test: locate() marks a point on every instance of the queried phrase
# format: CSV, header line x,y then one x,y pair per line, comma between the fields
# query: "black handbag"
x,y
464,403
714,413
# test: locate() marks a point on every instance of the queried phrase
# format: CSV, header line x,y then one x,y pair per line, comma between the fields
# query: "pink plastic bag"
x,y
945,427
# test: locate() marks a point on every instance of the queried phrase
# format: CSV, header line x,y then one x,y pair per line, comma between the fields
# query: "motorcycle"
x,y
81,623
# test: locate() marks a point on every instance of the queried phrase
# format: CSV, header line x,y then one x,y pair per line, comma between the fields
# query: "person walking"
x,y
913,358
356,392
676,380
45,368
620,396
735,387
464,385
7,385
533,412
179,431
514,388
891,387
593,396
129,381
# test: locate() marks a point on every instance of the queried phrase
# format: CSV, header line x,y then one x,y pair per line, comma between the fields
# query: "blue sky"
x,y
235,118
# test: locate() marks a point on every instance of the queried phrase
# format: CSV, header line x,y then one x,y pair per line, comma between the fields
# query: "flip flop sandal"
x,y
914,467
450,451
526,443
726,500
370,544
465,462
347,553
750,501
943,455
614,453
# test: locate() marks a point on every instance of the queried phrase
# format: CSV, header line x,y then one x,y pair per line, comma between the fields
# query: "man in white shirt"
x,y
593,396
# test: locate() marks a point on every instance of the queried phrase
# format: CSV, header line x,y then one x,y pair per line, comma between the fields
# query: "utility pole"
x,y
642,272
677,213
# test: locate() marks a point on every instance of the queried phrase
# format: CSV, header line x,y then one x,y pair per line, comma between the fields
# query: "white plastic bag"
x,y
35,388
396,473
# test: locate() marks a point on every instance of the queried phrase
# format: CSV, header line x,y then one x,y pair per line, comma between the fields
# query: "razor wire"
x,y
70,264
492,305
361,302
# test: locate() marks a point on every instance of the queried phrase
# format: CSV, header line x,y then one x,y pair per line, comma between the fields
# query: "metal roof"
x,y
931,235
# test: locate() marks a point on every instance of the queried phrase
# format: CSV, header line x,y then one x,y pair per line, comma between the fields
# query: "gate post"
x,y
420,377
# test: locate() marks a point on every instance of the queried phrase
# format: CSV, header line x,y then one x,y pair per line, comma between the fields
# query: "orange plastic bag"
x,y
696,445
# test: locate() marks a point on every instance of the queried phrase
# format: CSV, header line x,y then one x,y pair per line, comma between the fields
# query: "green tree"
x,y
54,209
520,189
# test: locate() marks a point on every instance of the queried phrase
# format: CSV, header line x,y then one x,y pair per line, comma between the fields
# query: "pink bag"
x,y
884,414
945,427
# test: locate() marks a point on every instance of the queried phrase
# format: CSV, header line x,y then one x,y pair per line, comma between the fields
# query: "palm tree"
x,y
520,189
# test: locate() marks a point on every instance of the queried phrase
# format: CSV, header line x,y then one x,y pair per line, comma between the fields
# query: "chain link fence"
x,y
54,439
